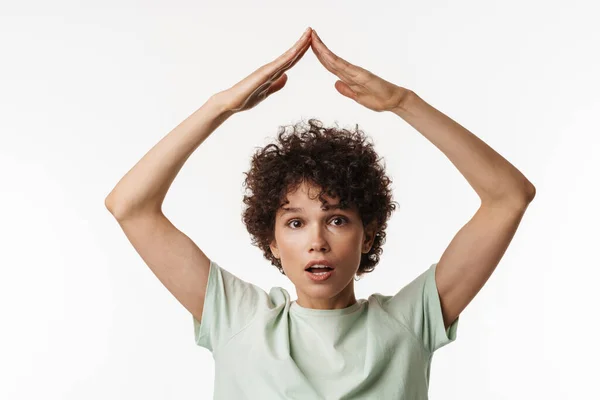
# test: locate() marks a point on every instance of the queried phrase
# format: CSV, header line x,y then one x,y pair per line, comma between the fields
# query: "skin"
x,y
505,193
477,248
315,234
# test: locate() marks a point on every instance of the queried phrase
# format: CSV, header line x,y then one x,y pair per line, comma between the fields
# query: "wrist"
x,y
217,102
406,98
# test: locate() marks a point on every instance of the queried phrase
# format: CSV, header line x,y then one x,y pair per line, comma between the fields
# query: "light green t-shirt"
x,y
268,347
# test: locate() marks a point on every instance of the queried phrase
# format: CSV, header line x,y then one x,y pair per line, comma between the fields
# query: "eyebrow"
x,y
327,207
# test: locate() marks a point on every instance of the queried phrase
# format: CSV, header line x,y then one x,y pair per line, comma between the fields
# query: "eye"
x,y
341,218
337,217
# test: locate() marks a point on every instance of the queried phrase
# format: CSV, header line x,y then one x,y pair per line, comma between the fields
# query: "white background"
x,y
87,88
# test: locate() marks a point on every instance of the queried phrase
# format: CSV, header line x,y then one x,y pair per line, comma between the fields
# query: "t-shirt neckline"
x,y
298,309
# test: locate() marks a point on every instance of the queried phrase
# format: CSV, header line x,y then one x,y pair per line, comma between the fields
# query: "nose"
x,y
317,240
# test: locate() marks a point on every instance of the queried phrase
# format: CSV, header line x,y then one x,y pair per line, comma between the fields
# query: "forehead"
x,y
305,197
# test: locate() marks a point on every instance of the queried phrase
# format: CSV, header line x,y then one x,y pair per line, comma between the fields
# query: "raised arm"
x,y
136,203
137,199
505,193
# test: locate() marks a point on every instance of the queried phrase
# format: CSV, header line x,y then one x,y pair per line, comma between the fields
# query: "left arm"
x,y
505,193
476,250
492,177
473,255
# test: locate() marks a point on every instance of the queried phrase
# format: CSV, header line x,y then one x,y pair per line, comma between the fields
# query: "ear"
x,y
370,232
274,249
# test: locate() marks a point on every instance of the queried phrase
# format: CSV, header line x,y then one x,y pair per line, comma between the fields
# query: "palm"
x,y
258,91
266,80
355,82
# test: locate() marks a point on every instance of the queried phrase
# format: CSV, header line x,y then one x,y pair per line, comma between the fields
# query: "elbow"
x,y
529,192
111,206
517,198
116,207
121,209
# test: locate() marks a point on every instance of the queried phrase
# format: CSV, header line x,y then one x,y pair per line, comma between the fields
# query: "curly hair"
x,y
338,161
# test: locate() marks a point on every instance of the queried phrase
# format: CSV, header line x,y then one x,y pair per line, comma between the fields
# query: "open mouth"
x,y
319,274
317,270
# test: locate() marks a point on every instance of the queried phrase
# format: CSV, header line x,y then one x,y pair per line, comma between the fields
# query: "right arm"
x,y
136,200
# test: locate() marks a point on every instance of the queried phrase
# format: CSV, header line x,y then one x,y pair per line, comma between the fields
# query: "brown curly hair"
x,y
338,161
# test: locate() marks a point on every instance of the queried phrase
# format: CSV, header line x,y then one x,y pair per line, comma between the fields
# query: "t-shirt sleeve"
x,y
417,305
230,304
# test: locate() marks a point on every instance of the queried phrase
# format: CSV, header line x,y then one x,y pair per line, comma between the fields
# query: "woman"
x,y
318,208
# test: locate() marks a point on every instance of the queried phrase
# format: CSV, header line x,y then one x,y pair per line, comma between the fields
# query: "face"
x,y
313,233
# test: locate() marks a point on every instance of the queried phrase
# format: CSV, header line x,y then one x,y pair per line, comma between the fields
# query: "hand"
x,y
359,84
265,81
